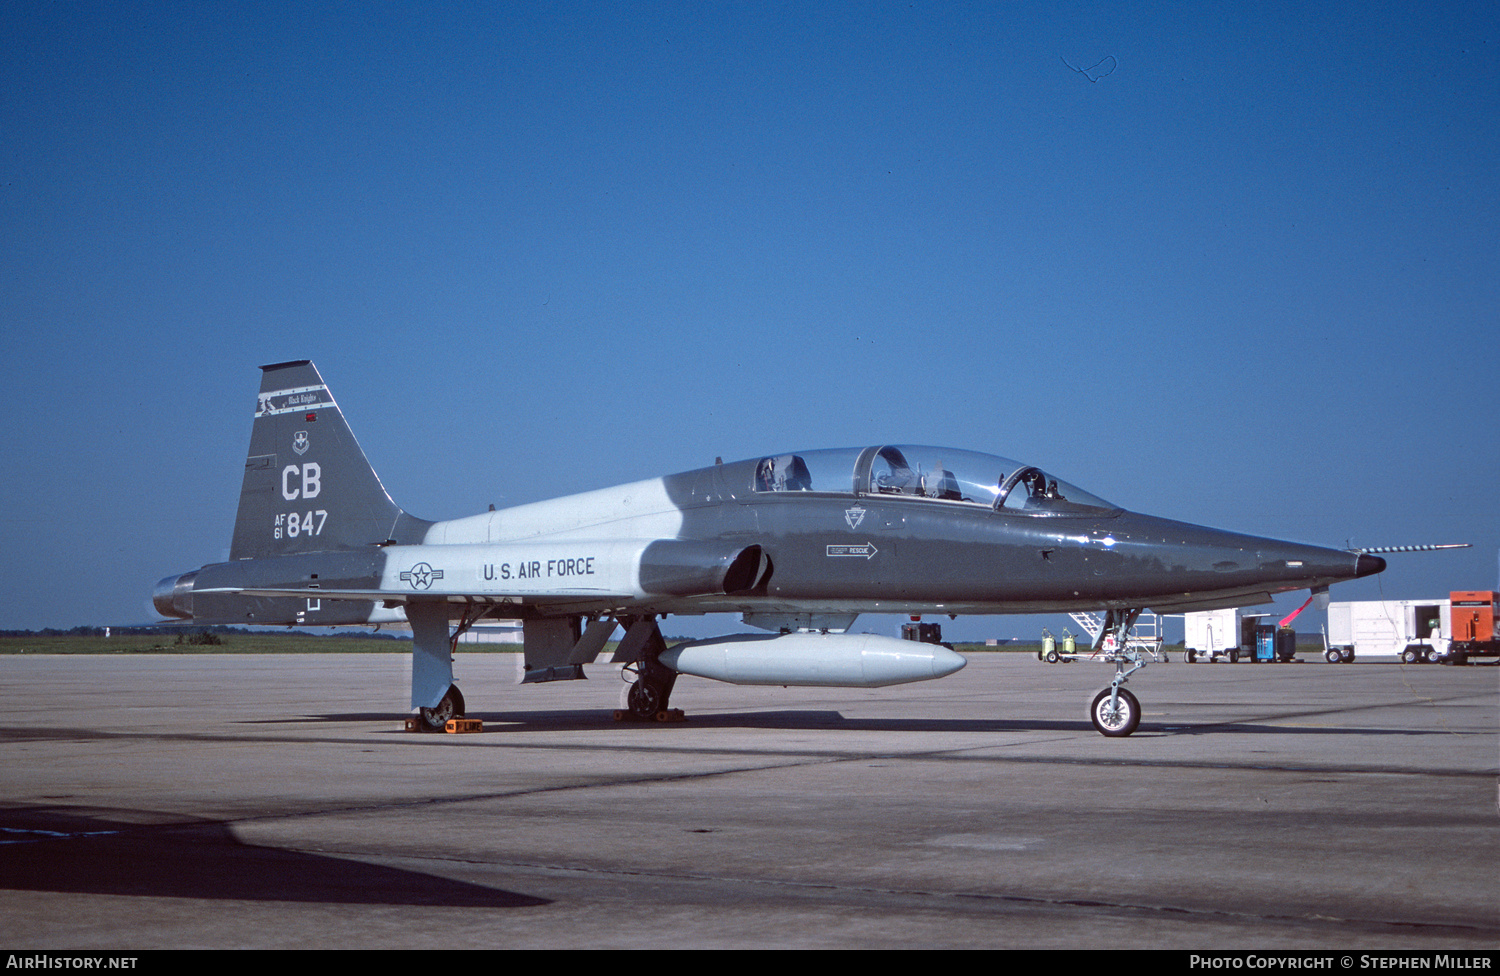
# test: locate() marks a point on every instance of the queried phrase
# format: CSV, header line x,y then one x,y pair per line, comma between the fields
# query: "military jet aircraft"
x,y
799,544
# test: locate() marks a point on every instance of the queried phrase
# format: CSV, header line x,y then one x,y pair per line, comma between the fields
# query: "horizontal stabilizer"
x,y
424,596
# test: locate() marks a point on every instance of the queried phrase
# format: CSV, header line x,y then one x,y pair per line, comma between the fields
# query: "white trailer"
x,y
1413,631
1211,634
1208,635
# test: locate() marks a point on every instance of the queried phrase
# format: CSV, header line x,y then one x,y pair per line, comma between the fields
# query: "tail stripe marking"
x,y
297,399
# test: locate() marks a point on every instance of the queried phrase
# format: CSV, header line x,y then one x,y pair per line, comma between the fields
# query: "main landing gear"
x,y
648,697
433,694
1116,712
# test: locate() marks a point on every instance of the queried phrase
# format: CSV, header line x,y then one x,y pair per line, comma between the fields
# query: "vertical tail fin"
x,y
308,487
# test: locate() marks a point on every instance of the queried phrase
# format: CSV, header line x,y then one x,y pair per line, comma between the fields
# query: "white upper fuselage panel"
x,y
641,510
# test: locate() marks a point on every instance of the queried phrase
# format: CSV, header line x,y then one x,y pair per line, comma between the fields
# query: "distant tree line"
x,y
54,632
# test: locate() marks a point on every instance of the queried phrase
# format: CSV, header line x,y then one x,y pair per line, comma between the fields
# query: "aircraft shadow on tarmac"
x,y
573,720
44,849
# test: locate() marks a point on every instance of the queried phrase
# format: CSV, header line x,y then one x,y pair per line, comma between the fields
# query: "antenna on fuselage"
x,y
1379,549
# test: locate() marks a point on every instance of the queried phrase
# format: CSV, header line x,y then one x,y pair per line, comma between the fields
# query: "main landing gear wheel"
x,y
451,706
1118,718
645,700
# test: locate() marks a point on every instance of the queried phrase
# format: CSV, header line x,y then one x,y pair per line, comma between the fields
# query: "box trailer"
x,y
1413,631
1212,634
1448,631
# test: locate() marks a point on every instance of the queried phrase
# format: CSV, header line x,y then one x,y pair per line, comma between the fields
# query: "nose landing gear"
x,y
1116,712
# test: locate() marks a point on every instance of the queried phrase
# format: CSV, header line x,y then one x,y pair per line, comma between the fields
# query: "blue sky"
x,y
1248,277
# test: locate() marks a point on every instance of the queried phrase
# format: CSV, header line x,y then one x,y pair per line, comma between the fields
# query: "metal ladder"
x,y
1146,637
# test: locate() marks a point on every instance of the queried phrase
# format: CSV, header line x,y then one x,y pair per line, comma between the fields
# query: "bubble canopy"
x,y
936,474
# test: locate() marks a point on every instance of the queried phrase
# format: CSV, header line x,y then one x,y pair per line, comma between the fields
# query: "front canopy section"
x,y
933,473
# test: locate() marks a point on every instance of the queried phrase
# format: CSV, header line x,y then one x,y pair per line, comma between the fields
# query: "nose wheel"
x,y
1115,712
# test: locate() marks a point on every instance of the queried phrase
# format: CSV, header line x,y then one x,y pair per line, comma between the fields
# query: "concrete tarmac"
x,y
274,802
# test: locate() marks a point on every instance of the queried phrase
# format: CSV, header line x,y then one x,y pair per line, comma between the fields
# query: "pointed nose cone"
x,y
945,662
1187,563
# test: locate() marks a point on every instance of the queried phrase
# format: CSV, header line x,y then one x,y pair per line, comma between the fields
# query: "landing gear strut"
x,y
1116,712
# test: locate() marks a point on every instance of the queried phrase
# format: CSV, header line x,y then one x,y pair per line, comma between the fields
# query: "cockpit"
x,y
933,473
